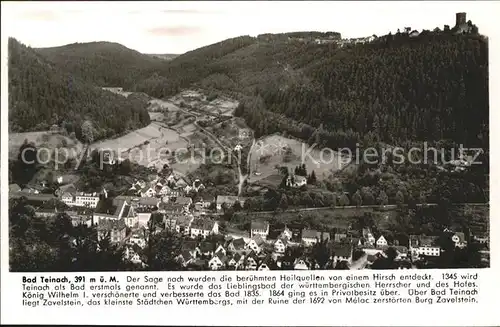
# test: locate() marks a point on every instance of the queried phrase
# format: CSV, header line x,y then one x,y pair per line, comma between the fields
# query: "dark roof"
x,y
119,207
269,262
33,196
203,224
260,225
422,240
189,245
258,239
186,255
207,247
343,250
239,243
110,224
149,201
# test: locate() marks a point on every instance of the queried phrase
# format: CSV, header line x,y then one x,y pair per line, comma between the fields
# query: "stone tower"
x,y
461,18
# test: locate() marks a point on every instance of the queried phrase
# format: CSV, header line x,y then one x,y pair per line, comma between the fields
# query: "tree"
x,y
367,196
400,199
320,253
382,198
283,202
356,199
157,220
312,178
162,249
237,206
342,265
87,131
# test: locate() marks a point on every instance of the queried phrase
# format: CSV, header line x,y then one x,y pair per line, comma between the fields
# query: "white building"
x,y
280,246
424,246
296,181
81,199
259,228
381,242
203,227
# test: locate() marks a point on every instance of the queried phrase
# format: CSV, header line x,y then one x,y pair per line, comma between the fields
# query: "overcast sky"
x,y
177,27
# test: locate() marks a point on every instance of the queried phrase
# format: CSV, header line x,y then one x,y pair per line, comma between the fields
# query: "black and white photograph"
x,y
238,136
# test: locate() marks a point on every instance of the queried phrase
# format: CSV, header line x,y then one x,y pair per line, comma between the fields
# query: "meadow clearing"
x,y
276,150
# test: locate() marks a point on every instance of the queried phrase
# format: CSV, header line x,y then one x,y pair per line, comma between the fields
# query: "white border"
x,y
484,314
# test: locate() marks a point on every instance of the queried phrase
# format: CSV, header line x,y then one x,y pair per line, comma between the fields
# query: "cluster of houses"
x,y
207,247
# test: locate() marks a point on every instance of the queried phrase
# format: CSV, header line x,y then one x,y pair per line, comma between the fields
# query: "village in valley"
x,y
170,201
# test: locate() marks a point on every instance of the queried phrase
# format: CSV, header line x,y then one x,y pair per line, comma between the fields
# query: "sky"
x,y
178,27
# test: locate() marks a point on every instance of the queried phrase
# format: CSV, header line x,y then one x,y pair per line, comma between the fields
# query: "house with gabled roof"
x,y
114,213
148,191
148,203
204,201
204,227
115,229
185,258
184,201
233,260
14,188
341,252
421,245
286,233
267,263
129,216
311,237
220,249
459,239
381,242
301,264
181,223
260,228
250,261
280,245
237,245
402,252
207,249
256,244
218,261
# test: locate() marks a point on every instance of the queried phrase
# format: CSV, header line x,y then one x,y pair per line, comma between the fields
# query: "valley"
x,y
265,134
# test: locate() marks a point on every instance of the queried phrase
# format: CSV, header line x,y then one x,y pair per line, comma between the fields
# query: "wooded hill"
x,y
41,94
395,89
102,63
398,88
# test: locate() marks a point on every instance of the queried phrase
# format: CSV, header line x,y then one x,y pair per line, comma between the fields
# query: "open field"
x,y
156,115
157,104
221,105
276,150
143,146
44,140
